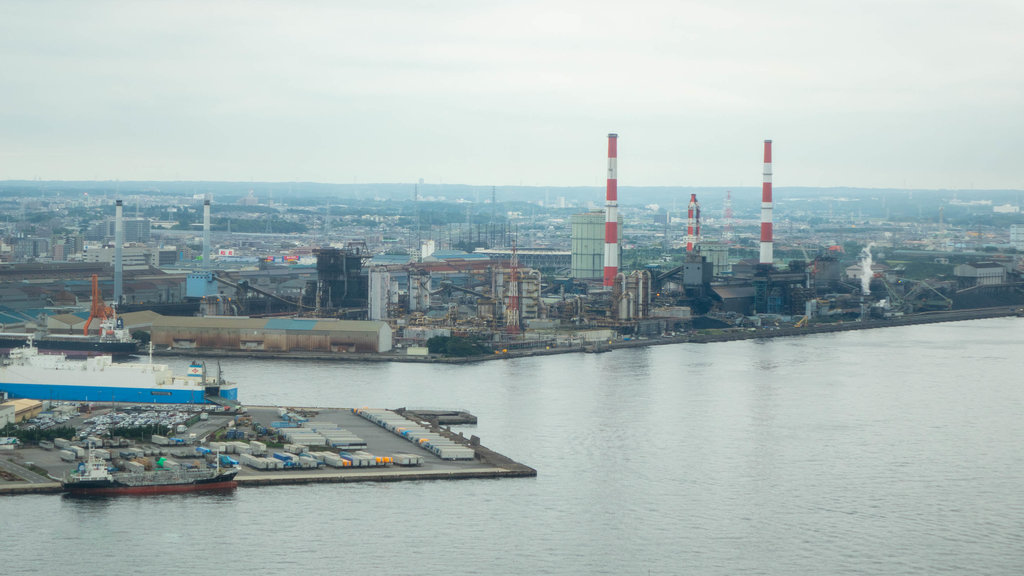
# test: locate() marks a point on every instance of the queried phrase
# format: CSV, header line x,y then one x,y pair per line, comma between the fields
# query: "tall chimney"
x,y
766,207
118,243
611,219
206,234
727,236
692,229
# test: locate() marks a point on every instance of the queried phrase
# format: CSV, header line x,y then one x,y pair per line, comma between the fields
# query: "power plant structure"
x,y
611,221
512,310
693,224
766,208
422,287
727,216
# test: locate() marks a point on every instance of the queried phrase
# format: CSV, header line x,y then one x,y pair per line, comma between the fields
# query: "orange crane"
x,y
99,310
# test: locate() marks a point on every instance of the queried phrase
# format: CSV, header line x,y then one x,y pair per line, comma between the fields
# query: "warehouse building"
x,y
271,334
24,409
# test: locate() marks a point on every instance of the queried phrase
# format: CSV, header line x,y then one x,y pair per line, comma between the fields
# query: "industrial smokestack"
x,y
727,236
611,219
692,223
206,234
118,243
766,207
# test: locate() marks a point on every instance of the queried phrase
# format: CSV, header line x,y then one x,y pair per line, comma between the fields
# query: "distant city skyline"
x,y
863,94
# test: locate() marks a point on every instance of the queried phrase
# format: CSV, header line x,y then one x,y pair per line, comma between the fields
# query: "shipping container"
x,y
403,459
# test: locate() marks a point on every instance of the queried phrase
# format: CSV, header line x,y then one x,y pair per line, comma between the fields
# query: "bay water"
x,y
891,451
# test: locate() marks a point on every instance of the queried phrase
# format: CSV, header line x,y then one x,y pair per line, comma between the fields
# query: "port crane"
x,y
99,310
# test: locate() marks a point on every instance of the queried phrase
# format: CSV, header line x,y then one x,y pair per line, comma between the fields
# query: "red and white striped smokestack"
x,y
696,217
691,222
611,218
766,206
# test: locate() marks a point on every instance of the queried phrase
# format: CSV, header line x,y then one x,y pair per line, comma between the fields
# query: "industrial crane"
x,y
99,311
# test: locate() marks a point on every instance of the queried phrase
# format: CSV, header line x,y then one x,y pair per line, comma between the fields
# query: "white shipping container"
x,y
403,459
455,453
67,455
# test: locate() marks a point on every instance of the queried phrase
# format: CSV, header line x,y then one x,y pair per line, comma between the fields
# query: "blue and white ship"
x,y
28,374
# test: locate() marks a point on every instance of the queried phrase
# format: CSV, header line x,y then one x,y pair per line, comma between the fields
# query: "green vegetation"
x,y
34,436
456,346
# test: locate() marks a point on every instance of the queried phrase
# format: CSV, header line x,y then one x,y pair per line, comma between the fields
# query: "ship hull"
x,y
73,347
141,395
114,489
154,483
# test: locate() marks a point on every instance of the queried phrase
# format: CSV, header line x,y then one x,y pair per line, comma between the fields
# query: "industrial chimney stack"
x,y
118,243
766,207
206,234
692,223
611,220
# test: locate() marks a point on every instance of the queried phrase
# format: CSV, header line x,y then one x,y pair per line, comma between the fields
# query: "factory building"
x,y
24,409
979,274
538,258
340,281
588,240
717,254
271,334
132,257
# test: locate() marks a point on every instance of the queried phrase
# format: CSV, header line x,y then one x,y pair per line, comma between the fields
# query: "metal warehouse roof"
x,y
290,324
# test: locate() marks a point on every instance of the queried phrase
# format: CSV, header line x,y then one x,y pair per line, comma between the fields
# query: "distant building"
x,y
979,274
1017,237
587,252
132,257
31,249
135,230
249,200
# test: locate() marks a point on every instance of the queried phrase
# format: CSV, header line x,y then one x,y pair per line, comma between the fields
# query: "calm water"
x,y
897,451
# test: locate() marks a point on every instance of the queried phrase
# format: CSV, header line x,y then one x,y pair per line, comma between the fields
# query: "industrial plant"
x,y
575,277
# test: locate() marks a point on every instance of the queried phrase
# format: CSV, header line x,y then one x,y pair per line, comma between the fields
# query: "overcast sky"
x,y
893,93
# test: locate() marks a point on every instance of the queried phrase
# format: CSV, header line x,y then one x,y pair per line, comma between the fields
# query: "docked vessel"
x,y
93,477
113,340
26,373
